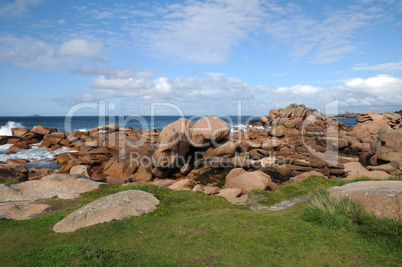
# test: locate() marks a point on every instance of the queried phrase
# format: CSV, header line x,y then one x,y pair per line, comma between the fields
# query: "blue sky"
x,y
203,57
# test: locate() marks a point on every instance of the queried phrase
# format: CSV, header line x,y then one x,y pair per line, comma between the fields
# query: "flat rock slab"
x,y
64,186
117,206
381,198
253,203
21,211
289,203
356,169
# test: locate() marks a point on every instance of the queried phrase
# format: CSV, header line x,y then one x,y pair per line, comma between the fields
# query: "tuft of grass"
x,y
8,181
311,184
289,191
341,212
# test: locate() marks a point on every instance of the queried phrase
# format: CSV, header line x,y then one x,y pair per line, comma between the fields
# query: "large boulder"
x,y
118,206
42,130
371,127
251,180
174,142
227,149
63,186
37,174
81,170
120,166
207,130
16,172
367,116
232,195
19,132
381,198
185,184
234,173
387,145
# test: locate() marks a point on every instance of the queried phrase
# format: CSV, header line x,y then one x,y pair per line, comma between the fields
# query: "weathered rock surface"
x,y
117,206
233,195
16,172
251,180
63,186
207,130
81,170
21,211
356,169
185,184
234,173
174,141
37,174
381,198
388,145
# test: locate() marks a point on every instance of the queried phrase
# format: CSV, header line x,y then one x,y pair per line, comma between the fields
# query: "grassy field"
x,y
192,229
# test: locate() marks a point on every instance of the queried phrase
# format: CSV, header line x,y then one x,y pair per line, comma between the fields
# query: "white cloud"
x,y
222,93
379,90
215,74
323,40
379,67
80,47
198,31
17,8
112,73
28,52
300,90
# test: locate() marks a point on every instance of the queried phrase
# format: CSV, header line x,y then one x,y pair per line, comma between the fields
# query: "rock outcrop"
x,y
381,198
387,145
251,180
16,172
209,130
63,186
118,206
21,211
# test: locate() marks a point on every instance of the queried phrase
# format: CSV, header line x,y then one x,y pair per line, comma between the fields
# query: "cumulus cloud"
x,y
28,52
17,7
80,47
220,94
376,92
305,90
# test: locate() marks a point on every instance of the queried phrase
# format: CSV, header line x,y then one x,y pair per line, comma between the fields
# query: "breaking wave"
x,y
6,129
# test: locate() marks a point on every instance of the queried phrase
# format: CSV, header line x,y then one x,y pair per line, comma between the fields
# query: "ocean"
x,y
40,157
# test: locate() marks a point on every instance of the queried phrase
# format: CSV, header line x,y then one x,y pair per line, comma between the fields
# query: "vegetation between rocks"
x,y
336,212
192,229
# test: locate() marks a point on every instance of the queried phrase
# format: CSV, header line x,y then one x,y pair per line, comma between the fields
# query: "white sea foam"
x,y
245,128
6,129
34,153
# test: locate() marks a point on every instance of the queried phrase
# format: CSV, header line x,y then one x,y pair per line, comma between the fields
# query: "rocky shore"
x,y
288,146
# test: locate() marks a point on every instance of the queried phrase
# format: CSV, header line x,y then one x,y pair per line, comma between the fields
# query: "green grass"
x,y
7,181
191,229
288,191
311,184
336,212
